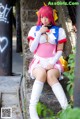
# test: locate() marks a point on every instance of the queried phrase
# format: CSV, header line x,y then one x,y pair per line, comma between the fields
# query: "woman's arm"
x,y
58,54
60,46
56,57
33,44
61,40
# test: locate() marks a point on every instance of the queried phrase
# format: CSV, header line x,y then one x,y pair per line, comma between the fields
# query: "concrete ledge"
x,y
9,84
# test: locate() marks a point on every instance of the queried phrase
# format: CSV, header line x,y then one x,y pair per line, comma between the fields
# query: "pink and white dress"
x,y
46,49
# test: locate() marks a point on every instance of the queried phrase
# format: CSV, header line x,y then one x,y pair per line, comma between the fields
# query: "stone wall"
x,y
28,19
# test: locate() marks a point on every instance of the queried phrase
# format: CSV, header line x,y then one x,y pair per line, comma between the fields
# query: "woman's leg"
x,y
40,75
52,79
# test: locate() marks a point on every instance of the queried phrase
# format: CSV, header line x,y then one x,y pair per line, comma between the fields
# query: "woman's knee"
x,y
40,74
53,73
52,77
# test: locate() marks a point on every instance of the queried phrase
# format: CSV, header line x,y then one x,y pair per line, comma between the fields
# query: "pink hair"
x,y
45,11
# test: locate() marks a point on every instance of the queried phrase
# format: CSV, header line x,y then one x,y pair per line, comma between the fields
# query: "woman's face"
x,y
45,21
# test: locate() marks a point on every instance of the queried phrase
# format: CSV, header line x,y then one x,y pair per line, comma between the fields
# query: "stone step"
x,y
10,95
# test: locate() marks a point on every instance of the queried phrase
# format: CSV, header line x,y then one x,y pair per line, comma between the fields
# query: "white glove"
x,y
56,57
35,42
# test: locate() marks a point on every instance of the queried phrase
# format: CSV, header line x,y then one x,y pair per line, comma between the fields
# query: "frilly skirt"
x,y
38,61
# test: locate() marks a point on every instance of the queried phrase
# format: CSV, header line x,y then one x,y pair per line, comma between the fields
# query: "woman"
x,y
46,41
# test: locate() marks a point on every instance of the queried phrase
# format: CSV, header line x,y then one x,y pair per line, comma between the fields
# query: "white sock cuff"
x,y
39,82
55,85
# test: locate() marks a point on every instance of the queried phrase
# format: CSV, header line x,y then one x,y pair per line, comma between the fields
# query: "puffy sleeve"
x,y
62,36
31,34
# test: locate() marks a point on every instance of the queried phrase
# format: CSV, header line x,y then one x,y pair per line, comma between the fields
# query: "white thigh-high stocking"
x,y
36,92
60,95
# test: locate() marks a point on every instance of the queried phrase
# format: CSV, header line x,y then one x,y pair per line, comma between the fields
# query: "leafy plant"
x,y
70,113
70,75
43,111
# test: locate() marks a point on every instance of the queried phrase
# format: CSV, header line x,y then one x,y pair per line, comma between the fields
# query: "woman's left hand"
x,y
50,66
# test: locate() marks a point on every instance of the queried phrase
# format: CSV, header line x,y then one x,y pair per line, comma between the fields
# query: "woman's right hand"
x,y
43,29
49,66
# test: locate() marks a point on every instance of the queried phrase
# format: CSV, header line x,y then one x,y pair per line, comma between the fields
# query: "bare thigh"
x,y
52,76
40,74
